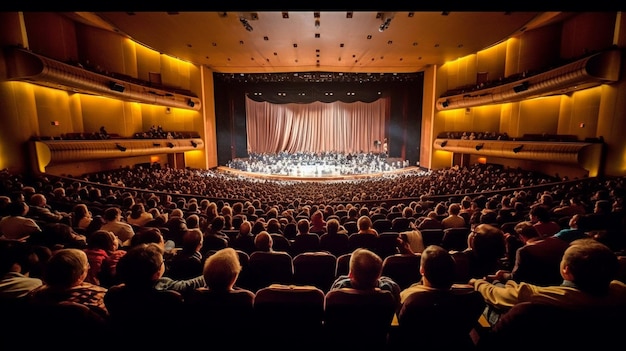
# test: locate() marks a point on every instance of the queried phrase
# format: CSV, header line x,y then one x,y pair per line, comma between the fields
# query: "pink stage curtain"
x,y
316,127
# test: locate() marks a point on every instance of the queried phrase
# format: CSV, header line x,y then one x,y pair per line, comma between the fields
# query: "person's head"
x,y
17,208
263,241
80,211
303,226
148,235
193,221
365,269
487,241
217,224
437,267
103,239
273,226
245,228
602,206
192,241
142,265
112,214
539,214
38,200
454,209
66,268
590,265
257,227
364,223
136,210
15,256
222,269
525,230
332,226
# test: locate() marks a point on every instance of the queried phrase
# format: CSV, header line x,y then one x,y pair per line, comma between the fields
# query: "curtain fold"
x,y
316,127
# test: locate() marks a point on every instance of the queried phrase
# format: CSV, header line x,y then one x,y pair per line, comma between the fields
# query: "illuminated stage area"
x,y
309,166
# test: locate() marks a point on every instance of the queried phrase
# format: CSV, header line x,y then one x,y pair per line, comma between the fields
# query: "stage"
x,y
315,173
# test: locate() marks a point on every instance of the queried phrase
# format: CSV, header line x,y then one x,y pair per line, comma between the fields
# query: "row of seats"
x,y
319,269
278,316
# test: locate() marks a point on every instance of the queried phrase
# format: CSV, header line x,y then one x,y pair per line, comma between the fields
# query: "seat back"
x,y
305,243
404,269
366,241
266,268
336,244
223,314
455,238
343,265
357,319
387,244
382,225
129,307
442,319
432,236
280,243
400,224
314,268
288,316
351,227
534,325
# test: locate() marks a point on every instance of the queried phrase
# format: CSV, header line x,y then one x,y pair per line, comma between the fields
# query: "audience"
x,y
365,273
588,268
64,280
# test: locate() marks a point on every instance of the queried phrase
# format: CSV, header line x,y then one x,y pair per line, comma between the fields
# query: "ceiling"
x,y
326,41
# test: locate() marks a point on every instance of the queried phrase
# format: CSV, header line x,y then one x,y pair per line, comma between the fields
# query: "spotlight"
x,y
120,147
446,103
190,103
194,144
115,86
479,147
246,24
444,143
383,27
170,145
518,148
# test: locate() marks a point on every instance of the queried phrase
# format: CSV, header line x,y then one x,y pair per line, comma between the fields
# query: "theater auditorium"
x,y
292,179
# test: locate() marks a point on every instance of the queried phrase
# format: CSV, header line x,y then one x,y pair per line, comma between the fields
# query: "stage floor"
x,y
310,173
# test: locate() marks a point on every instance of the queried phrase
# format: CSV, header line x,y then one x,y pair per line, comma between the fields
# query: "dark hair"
x,y
438,266
139,265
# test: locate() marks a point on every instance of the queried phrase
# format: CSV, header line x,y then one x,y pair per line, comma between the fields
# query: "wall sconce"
x,y
194,144
521,87
170,145
120,147
446,103
518,148
444,143
479,147
190,103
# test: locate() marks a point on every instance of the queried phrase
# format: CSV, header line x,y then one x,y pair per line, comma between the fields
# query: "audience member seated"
x,y
485,253
138,216
187,262
588,268
435,311
114,223
64,280
103,254
58,235
16,226
541,220
578,228
15,264
305,241
221,309
365,271
335,240
537,261
40,210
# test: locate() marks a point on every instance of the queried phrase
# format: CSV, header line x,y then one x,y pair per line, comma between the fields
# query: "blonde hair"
x,y
222,269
